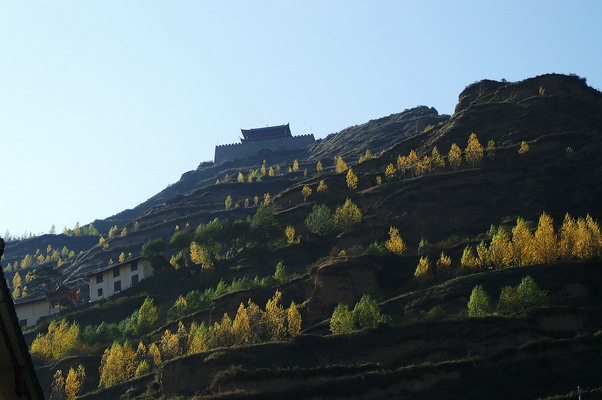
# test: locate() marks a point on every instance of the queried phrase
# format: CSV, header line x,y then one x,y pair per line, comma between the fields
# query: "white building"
x,y
30,310
114,278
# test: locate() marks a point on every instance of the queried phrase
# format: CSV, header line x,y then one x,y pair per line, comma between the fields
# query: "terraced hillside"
x,y
546,157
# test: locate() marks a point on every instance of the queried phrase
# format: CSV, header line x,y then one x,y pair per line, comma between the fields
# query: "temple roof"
x,y
269,132
63,290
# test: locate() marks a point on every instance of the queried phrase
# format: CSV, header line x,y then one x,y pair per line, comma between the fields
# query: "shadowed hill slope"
x,y
375,135
430,347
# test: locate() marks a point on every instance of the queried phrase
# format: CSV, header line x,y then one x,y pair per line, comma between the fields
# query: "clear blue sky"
x,y
104,103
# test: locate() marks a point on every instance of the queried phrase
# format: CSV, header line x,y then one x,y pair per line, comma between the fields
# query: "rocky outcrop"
x,y
375,135
567,87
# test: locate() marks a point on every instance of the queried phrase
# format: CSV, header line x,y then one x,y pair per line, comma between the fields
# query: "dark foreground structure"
x,y
17,376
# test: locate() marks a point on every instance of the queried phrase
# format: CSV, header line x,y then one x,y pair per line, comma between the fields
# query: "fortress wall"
x,y
239,151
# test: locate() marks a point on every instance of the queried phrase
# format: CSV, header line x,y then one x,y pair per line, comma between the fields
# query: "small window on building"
x,y
23,322
134,280
99,278
134,266
117,286
99,292
115,272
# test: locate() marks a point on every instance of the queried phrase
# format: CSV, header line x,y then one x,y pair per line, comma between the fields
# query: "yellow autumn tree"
x,y
469,260
196,340
57,388
228,202
402,165
443,265
322,187
142,369
483,255
274,318
523,148
412,161
17,281
289,232
390,171
544,241
271,171
75,381
170,344
474,150
368,155
295,166
306,192
141,352
347,215
267,199
122,257
59,340
522,243
596,235
200,255
437,159
340,164
294,320
583,245
319,166
454,157
241,326
395,243
567,237
155,354
240,178
424,166
351,179
500,249
423,271
264,169
118,364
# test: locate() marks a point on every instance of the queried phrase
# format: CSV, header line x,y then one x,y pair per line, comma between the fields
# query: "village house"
x,y
112,279
31,308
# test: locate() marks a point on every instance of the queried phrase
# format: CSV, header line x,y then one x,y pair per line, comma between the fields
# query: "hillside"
x,y
546,157
351,142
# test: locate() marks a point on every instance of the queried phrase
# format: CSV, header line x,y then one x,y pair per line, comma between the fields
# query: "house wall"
x,y
33,311
107,285
238,151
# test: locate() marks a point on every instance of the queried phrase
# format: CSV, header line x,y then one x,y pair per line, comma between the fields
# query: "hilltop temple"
x,y
260,142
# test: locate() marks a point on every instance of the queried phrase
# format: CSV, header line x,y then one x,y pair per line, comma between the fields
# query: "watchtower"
x,y
262,141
